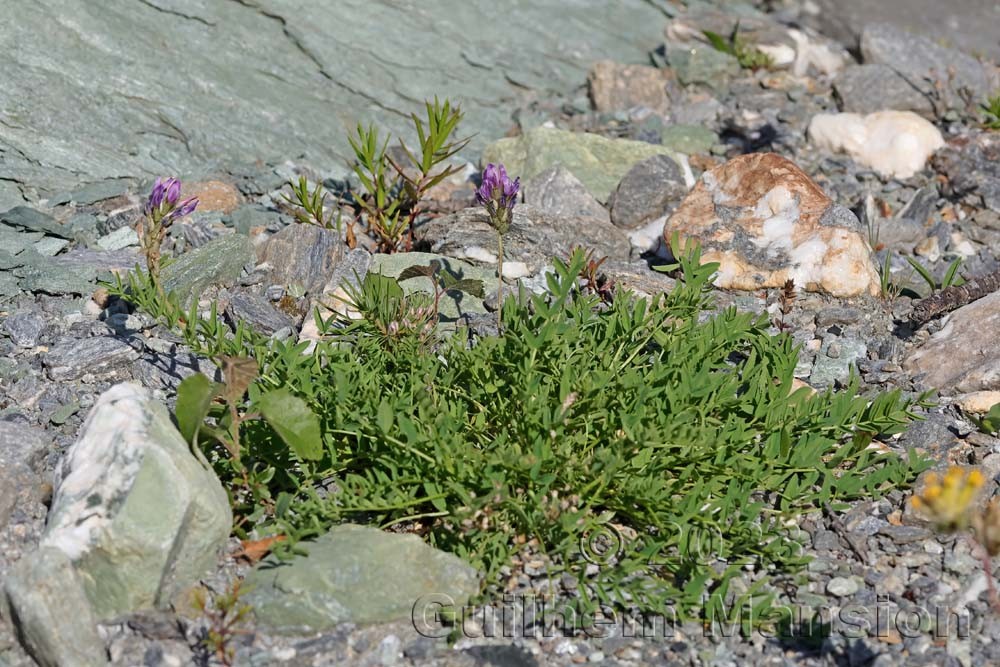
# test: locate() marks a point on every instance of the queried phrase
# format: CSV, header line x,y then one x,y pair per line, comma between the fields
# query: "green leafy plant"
x,y
991,112
951,276
990,422
748,56
226,615
309,209
393,192
645,418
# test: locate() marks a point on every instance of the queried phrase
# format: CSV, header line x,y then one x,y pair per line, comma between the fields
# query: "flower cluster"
x,y
947,501
498,194
164,205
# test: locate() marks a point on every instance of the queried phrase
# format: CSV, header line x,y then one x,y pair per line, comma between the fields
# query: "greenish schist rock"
x,y
688,138
320,72
453,304
217,263
51,612
138,515
702,64
356,574
598,162
38,273
28,219
835,359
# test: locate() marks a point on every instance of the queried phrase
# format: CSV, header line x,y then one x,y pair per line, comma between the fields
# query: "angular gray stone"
x,y
318,70
963,24
123,237
868,88
835,360
50,246
972,166
93,193
14,240
921,61
357,574
217,263
534,237
21,451
246,218
557,191
51,276
102,357
24,327
96,261
651,189
51,612
257,312
303,255
597,161
32,220
964,355
702,64
139,516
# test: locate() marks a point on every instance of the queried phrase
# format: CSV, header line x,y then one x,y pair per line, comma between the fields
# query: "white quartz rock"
x,y
894,143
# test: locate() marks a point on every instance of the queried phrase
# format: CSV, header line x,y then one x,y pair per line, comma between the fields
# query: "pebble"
x,y
842,587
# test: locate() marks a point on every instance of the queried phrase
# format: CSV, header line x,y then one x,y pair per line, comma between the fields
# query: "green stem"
x,y
499,271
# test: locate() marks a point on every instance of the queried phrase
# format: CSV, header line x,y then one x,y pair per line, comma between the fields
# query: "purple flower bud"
x,y
173,191
498,195
162,204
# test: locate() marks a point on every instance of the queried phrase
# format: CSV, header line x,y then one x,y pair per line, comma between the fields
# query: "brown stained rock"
x,y
765,221
214,195
615,87
964,356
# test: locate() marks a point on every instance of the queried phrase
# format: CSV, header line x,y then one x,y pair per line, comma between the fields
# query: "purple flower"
x,y
498,194
498,188
162,203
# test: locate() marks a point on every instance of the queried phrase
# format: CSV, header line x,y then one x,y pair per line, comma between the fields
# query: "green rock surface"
x,y
688,139
51,612
140,517
453,303
598,162
217,263
118,88
356,574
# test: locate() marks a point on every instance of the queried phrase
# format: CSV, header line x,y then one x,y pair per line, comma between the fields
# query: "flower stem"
x,y
499,278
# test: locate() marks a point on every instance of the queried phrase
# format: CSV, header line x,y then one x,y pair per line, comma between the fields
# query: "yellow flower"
x,y
947,501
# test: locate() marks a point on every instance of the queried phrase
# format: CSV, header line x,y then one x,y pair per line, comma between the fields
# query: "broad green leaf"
x,y
294,422
195,394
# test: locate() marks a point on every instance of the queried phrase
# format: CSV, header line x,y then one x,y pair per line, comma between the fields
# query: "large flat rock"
x,y
122,88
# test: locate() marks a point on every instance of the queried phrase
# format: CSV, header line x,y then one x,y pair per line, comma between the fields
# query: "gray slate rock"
x,y
24,327
534,237
29,219
51,276
51,611
140,517
868,88
921,61
21,451
318,70
93,192
357,574
257,312
302,254
217,263
972,165
963,24
557,191
651,189
101,357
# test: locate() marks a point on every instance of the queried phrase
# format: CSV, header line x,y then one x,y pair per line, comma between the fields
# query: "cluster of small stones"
x,y
884,582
